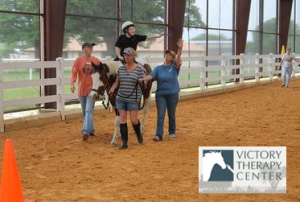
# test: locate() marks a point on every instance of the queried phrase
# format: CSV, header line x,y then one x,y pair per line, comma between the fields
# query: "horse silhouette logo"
x,y
217,165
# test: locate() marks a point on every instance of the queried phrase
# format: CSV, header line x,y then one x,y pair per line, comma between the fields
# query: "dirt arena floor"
x,y
56,165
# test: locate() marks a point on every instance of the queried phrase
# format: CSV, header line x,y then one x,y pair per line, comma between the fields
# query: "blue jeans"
x,y
127,106
164,102
87,106
286,72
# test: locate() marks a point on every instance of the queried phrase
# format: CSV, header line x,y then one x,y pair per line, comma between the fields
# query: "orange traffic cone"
x,y
11,189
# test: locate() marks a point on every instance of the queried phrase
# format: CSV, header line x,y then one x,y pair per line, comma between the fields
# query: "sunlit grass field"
x,y
26,92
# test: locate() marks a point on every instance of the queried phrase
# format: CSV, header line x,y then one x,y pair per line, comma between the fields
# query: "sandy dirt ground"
x,y
56,165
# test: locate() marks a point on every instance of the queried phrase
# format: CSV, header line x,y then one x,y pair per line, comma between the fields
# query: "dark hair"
x,y
86,44
126,25
126,28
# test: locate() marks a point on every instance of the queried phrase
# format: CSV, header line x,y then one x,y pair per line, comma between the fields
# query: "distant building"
x,y
73,50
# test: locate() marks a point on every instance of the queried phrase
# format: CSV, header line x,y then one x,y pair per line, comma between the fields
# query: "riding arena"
x,y
56,165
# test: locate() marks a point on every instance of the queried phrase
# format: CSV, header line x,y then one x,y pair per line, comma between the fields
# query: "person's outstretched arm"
x,y
147,78
179,52
154,36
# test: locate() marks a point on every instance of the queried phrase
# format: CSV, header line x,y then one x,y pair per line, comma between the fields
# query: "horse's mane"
x,y
211,153
113,66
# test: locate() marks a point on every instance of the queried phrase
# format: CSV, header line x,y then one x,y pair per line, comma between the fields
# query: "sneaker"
x,y
172,135
282,85
92,134
157,138
85,136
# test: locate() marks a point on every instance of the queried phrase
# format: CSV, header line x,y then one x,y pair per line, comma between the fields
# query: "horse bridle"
x,y
105,84
100,91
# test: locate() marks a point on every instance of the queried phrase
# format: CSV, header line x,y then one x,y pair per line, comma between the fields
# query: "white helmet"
x,y
127,24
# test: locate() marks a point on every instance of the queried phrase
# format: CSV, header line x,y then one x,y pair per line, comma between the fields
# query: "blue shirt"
x,y
166,77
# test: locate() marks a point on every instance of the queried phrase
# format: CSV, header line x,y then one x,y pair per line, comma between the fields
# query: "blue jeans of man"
x,y
286,72
163,103
87,106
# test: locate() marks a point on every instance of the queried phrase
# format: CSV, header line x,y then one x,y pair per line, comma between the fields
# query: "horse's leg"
x,y
145,110
107,101
106,97
117,130
110,107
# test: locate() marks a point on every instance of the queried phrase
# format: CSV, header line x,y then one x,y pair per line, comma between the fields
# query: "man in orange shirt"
x,y
83,69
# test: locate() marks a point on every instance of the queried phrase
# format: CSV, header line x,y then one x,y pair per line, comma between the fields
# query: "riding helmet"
x,y
126,25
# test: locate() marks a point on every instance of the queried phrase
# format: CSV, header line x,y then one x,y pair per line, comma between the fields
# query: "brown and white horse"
x,y
104,76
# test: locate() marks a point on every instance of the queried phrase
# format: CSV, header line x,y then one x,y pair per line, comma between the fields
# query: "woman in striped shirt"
x,y
129,95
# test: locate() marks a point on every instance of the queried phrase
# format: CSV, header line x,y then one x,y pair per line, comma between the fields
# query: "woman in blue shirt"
x,y
166,95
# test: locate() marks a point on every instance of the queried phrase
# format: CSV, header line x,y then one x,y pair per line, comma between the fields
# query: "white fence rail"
x,y
220,67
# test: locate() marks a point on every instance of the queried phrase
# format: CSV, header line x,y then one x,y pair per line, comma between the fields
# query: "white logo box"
x,y
242,169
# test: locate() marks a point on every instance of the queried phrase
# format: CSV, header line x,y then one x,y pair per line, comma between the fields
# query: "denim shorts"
x,y
128,106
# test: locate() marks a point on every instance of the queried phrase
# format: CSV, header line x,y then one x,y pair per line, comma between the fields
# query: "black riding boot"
x,y
124,135
137,129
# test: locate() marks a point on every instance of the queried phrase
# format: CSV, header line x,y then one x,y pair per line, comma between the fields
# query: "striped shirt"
x,y
129,90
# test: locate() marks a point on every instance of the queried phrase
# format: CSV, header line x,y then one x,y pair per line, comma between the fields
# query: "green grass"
x,y
189,76
18,75
21,75
28,92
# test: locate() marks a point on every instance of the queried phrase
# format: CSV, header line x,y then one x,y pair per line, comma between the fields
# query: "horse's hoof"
x,y
113,143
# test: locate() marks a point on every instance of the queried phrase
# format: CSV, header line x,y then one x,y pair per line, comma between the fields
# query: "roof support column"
x,y
242,21
285,10
55,11
176,12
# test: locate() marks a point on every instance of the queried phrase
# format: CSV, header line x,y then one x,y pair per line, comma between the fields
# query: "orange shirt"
x,y
83,69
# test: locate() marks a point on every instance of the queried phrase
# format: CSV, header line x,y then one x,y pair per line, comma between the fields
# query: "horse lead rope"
x,y
135,89
107,88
